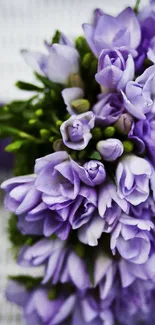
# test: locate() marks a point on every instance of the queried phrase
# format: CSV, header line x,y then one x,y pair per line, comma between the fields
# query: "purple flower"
x,y
110,149
110,32
143,134
92,311
132,176
21,194
69,95
83,208
37,307
58,65
92,173
139,95
135,305
43,221
108,109
110,208
104,275
57,180
60,262
129,271
76,130
131,239
115,69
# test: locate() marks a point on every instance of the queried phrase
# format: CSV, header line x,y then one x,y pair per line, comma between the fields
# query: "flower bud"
x,y
75,81
58,145
110,149
124,123
80,105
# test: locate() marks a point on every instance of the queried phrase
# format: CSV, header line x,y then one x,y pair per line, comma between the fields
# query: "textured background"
x,y
25,24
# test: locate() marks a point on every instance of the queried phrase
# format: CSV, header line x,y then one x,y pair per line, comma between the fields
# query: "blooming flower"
x,y
139,95
131,239
58,65
76,130
60,262
115,69
132,177
69,95
21,194
109,32
38,309
108,109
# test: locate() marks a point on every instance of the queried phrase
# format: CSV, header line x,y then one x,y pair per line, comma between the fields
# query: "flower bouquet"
x,y
82,201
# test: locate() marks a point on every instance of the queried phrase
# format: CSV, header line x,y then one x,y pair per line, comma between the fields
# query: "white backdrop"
x,y
25,24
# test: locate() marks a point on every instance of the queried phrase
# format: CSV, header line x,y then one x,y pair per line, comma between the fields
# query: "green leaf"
x,y
56,37
28,281
95,155
136,8
14,146
46,82
27,86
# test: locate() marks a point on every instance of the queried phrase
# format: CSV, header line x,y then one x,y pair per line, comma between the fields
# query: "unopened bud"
x,y
75,81
128,146
109,131
124,123
110,149
58,145
80,105
45,134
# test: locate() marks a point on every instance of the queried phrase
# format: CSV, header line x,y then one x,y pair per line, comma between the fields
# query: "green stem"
x,y
136,8
12,131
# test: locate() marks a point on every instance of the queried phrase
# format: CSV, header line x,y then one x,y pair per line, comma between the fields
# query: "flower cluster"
x,y
90,203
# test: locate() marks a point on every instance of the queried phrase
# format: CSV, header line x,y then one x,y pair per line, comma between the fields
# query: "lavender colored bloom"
x,y
57,180
69,95
110,208
92,173
112,32
76,130
131,239
115,69
132,176
139,95
91,311
108,109
83,208
43,221
129,272
110,149
37,307
151,50
58,65
60,262
143,134
21,194
135,305
104,275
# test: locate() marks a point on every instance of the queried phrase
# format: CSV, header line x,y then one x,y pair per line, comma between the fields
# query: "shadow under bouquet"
x,y
82,201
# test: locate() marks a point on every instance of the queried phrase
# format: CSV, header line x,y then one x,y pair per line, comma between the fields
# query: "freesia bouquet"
x,y
83,196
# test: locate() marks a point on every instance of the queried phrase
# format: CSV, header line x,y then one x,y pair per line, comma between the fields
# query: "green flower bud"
x,y
39,112
75,81
128,146
109,132
32,121
58,123
45,134
87,60
97,133
80,105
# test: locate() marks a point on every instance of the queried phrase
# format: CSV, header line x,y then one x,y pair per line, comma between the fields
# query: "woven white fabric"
x,y
25,24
